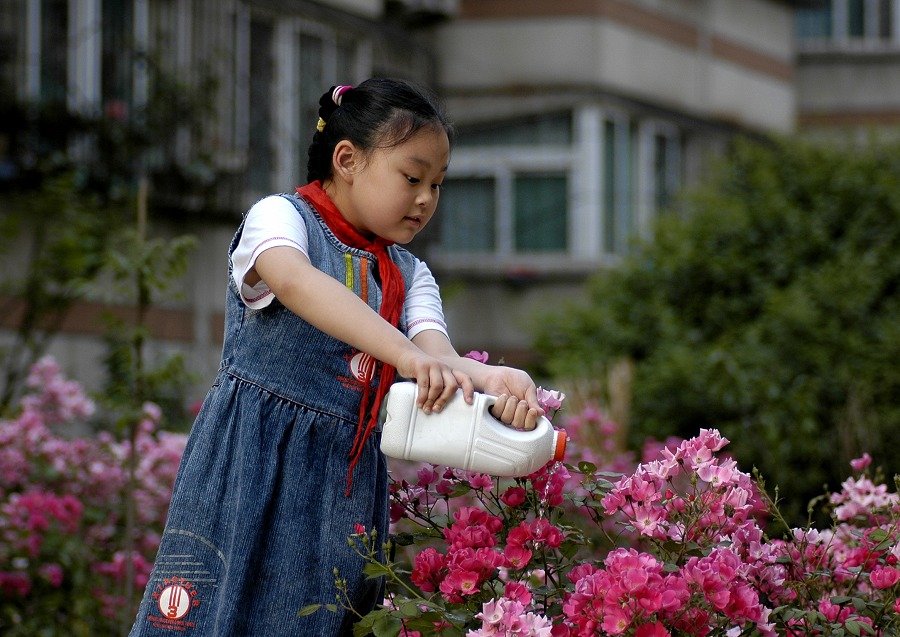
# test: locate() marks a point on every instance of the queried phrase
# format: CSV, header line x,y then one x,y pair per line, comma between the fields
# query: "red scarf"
x,y
392,291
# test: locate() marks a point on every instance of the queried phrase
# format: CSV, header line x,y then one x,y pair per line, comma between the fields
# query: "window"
x,y
531,214
856,21
79,54
312,85
618,185
850,21
666,169
259,165
888,19
117,57
548,130
814,22
577,185
540,204
54,38
466,215
507,193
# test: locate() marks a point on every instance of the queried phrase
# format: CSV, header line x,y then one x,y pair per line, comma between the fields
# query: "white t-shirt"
x,y
273,221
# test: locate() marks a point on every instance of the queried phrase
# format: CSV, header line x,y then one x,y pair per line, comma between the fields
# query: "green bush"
x,y
768,308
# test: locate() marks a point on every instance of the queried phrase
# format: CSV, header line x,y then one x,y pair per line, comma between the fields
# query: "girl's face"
x,y
394,192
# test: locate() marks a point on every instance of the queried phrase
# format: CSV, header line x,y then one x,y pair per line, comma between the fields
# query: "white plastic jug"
x,y
465,436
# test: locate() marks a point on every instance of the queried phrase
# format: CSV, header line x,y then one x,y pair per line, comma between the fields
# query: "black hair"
x,y
379,113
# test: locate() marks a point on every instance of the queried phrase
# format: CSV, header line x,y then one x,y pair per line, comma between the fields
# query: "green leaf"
x,y
409,608
425,622
308,610
404,539
376,569
387,626
837,600
857,628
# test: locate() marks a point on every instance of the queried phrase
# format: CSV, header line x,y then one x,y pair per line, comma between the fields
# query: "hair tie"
x,y
337,94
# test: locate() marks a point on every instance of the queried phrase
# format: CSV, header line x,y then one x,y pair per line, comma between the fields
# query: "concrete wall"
x,y
728,60
849,94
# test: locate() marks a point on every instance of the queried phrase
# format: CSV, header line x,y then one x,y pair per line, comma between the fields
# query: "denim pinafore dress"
x,y
259,519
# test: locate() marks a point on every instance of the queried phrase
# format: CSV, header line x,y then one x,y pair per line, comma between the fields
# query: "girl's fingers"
x,y
467,386
519,415
437,386
515,413
531,419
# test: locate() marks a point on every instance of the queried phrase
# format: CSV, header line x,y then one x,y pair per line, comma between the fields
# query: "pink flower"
x,y
427,475
460,583
884,576
473,528
616,619
517,557
550,400
398,512
859,464
53,573
518,592
481,357
513,496
655,629
427,570
509,618
479,480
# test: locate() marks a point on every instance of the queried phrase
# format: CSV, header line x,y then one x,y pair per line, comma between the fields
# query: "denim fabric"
x,y
259,519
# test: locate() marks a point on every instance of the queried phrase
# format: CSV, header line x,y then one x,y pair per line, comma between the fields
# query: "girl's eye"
x,y
412,180
438,187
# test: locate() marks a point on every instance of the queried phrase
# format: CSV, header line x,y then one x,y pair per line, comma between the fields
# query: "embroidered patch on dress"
x,y
362,366
175,597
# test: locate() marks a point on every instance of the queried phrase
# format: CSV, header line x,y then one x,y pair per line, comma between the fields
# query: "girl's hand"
x,y
437,381
516,393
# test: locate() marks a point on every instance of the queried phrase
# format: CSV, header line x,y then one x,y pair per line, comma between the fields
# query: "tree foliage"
x,y
769,309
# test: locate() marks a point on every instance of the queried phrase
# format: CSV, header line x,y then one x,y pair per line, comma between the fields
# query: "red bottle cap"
x,y
560,451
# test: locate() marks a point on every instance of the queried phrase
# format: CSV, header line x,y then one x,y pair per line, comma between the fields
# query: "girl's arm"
x,y
329,306
517,403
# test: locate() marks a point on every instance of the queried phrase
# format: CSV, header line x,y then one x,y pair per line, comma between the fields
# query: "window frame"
x,y
875,32
583,163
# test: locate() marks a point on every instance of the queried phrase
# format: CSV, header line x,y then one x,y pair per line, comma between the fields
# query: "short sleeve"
x,y
272,221
424,310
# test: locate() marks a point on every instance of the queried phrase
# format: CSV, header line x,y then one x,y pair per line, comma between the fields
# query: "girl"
x,y
324,311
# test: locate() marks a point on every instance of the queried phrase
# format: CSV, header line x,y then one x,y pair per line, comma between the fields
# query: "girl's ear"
x,y
345,160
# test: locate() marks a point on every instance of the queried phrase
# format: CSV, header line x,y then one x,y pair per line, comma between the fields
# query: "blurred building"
x,y
579,121
848,63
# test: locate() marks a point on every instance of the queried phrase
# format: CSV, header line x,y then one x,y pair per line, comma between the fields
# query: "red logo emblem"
x,y
362,367
175,598
174,601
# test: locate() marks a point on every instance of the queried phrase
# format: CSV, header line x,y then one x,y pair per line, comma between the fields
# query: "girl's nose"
x,y
425,198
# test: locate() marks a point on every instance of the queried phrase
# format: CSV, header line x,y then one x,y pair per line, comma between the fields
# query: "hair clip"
x,y
320,126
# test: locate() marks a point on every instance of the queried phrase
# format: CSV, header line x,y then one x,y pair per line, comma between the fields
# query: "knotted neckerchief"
x,y
392,293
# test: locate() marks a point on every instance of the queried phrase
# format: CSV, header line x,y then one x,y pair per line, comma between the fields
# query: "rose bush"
x,y
676,545
678,542
62,558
